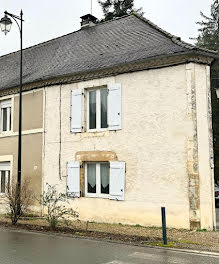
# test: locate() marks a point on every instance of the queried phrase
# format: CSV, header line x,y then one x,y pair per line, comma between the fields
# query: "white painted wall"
x,y
152,142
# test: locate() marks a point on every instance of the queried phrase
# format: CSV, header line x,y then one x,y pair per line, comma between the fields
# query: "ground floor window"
x,y
100,179
97,179
4,176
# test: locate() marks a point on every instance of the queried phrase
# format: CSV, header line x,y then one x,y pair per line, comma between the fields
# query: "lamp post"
x,y
5,24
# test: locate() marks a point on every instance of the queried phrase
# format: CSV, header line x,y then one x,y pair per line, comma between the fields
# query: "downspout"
x,y
43,149
60,131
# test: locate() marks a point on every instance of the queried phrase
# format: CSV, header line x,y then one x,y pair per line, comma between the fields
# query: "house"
x,y
32,137
118,115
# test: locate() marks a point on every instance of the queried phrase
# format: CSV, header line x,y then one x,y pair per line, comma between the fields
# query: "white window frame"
x,y
5,166
98,110
98,193
6,104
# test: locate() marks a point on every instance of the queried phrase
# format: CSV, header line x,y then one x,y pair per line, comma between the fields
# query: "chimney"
x,y
88,21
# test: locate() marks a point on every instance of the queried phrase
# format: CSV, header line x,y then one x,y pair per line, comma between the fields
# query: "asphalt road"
x,y
31,248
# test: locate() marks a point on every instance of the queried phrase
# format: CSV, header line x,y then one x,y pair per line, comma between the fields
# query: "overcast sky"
x,y
47,19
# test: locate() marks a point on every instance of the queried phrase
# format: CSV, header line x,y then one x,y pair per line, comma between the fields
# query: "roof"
x,y
108,44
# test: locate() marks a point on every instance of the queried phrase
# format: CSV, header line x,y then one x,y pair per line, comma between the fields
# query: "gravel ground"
x,y
198,240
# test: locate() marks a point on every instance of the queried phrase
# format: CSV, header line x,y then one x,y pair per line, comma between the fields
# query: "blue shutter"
x,y
76,110
73,179
117,180
115,106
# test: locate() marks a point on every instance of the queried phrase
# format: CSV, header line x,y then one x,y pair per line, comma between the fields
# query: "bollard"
x,y
164,227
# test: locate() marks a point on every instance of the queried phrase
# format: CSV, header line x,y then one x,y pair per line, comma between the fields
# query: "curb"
x,y
187,251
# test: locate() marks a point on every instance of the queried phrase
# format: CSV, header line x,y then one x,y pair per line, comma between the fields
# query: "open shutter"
x,y
115,106
73,179
76,110
117,180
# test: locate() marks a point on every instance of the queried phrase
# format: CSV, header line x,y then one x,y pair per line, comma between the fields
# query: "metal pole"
x,y
91,9
164,228
20,107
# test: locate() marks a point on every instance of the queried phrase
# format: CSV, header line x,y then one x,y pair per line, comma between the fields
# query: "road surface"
x,y
36,248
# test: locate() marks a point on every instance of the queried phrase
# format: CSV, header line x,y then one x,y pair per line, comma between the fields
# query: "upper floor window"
x,y
4,176
103,109
97,109
5,116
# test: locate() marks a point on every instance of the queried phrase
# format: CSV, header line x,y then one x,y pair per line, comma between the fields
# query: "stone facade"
x,y
165,141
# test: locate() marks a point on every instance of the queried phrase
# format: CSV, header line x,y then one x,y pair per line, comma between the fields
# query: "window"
x,y
97,104
97,179
102,179
4,176
103,109
5,116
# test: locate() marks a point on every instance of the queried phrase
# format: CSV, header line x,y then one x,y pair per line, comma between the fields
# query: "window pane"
x,y
9,118
4,117
91,178
2,181
8,180
103,99
92,109
104,173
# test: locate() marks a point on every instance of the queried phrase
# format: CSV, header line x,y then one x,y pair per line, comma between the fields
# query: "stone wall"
x,y
165,142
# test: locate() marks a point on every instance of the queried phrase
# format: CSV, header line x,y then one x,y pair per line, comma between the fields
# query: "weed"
x,y
201,230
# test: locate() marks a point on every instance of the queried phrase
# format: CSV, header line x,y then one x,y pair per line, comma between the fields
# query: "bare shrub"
x,y
56,211
19,201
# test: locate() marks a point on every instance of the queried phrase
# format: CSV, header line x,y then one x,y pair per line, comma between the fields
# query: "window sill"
x,y
97,130
107,196
5,133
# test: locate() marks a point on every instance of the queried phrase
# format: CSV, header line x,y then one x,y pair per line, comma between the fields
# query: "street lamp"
x,y
5,25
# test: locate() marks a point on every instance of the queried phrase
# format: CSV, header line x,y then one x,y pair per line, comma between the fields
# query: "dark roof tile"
x,y
108,44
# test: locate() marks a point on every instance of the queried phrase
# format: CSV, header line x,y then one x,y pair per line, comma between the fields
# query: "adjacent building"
x,y
118,116
32,139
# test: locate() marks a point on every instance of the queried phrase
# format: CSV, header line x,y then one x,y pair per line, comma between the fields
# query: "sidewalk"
x,y
184,239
